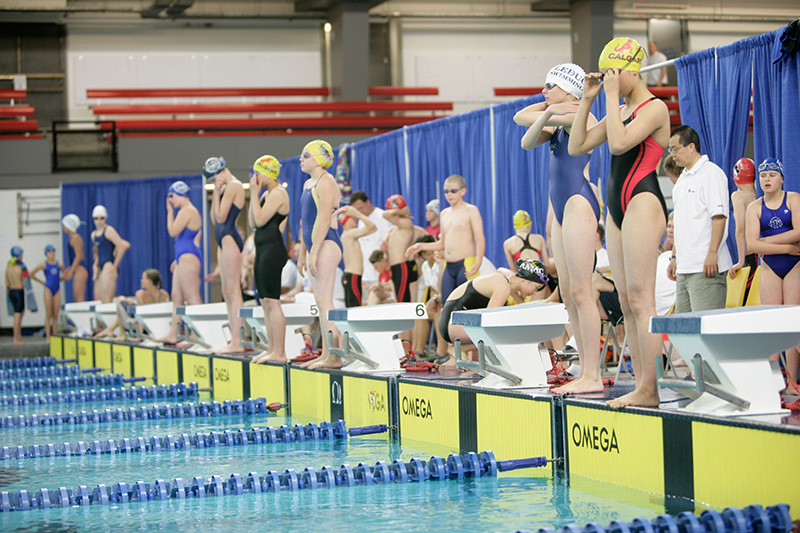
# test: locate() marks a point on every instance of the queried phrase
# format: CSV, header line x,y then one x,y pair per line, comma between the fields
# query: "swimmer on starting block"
x,y
108,248
322,249
184,224
637,134
268,214
52,284
576,212
491,290
78,270
227,202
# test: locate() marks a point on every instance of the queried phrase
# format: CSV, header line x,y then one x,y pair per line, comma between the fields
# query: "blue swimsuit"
x,y
309,205
52,277
184,244
228,227
775,222
71,257
566,176
105,249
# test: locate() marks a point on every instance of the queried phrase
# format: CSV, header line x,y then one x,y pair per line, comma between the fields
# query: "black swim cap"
x,y
532,270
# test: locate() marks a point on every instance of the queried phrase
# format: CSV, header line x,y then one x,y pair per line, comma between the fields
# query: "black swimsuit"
x,y
271,257
471,299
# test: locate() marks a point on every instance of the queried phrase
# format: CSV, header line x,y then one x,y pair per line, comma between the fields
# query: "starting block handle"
x,y
697,360
348,354
700,385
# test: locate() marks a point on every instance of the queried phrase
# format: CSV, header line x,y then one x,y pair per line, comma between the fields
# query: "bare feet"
x,y
231,348
580,386
271,357
167,340
329,361
19,342
637,398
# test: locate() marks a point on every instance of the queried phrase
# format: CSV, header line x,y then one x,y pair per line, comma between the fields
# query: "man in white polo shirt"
x,y
371,242
700,257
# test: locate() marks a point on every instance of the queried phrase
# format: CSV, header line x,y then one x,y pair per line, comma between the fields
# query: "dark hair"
x,y
671,167
154,276
426,238
359,195
601,230
376,256
687,136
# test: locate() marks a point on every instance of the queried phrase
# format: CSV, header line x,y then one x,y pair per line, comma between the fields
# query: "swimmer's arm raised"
x,y
176,224
649,119
224,204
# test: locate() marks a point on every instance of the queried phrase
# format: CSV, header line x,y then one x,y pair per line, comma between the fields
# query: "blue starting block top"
x,y
247,312
736,320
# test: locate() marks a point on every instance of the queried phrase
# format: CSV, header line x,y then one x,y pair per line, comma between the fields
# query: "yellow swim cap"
x,y
267,165
321,151
521,219
622,53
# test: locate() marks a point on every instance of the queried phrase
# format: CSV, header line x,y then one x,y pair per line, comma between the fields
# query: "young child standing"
x,y
53,275
461,238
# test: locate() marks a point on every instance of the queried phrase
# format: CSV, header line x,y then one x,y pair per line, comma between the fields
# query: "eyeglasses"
x,y
452,191
549,86
771,166
99,218
305,155
170,195
674,149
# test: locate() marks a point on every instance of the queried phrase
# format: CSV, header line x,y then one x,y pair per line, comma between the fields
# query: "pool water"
x,y
524,499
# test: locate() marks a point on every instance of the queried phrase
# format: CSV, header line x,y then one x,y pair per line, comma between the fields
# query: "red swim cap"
x,y
342,218
395,201
744,171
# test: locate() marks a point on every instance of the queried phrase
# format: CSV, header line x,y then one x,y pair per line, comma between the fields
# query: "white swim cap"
x,y
569,77
71,222
99,211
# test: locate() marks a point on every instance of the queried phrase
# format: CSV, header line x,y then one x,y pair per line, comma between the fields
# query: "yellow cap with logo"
x,y
321,151
268,166
622,53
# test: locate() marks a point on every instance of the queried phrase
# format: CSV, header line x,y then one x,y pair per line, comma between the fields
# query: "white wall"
x,y
33,246
152,57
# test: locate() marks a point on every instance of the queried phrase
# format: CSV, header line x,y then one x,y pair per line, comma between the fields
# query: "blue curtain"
x,y
522,175
137,210
457,145
714,87
776,106
698,96
378,168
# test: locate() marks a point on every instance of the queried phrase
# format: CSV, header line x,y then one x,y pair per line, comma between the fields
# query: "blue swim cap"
x,y
212,167
179,188
49,248
16,251
771,163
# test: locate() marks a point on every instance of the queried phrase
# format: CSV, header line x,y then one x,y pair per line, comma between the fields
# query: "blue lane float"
x,y
40,372
66,382
132,414
751,519
32,362
455,467
214,439
133,393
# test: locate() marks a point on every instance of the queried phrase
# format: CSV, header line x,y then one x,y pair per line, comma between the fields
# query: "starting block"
x,y
104,315
81,315
368,333
206,322
731,348
297,315
155,318
508,340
